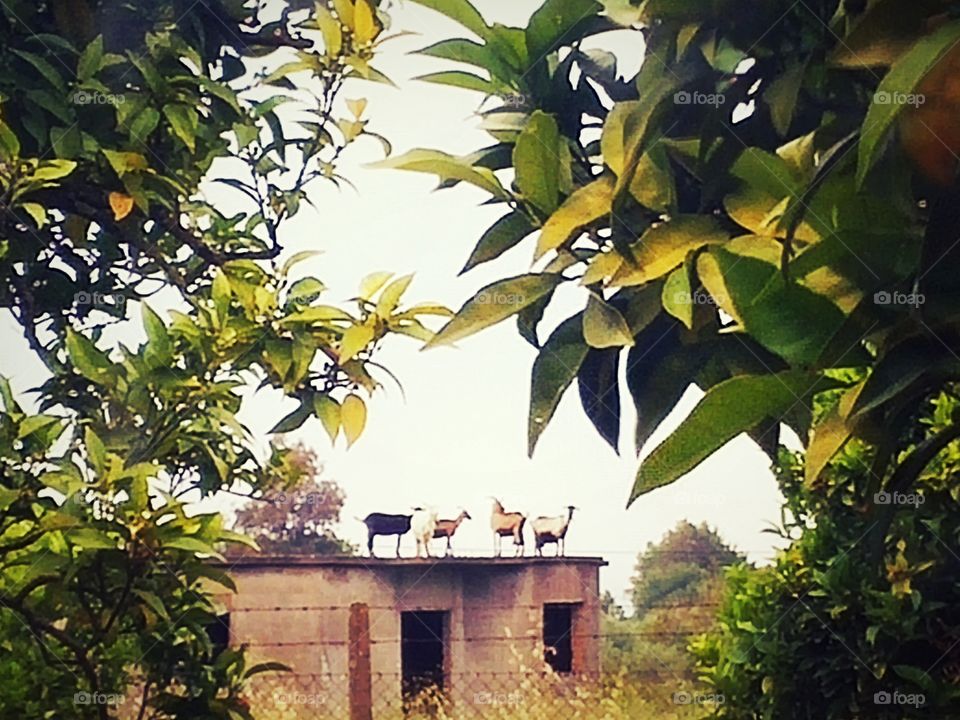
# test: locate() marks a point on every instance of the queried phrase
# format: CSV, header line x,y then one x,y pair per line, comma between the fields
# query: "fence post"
x,y
361,695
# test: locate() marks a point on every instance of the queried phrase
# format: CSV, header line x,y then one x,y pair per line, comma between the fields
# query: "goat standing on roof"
x,y
384,524
552,530
446,528
423,523
506,524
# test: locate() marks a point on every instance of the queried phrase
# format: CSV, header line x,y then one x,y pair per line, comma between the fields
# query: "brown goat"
x,y
446,528
506,524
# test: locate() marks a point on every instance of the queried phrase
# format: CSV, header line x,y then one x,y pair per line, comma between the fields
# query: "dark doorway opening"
x,y
219,633
558,636
422,656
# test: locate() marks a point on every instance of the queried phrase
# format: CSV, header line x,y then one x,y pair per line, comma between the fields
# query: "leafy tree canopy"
x,y
768,203
299,518
118,124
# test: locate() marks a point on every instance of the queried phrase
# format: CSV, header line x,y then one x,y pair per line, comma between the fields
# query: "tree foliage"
x,y
840,622
155,152
299,517
677,587
761,206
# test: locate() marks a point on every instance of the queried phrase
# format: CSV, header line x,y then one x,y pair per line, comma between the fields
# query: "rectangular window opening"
x,y
558,619
422,652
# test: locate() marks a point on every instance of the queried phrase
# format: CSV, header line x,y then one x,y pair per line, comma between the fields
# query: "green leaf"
x,y
353,417
37,212
584,207
678,296
305,291
903,78
536,158
125,162
500,237
829,435
89,361
557,22
96,451
782,95
446,167
92,539
328,410
459,79
7,497
160,346
460,11
783,316
554,369
664,246
153,602
292,421
143,124
42,66
54,170
9,142
604,326
184,120
728,409
91,59
390,297
599,388
494,303
192,545
355,339
34,423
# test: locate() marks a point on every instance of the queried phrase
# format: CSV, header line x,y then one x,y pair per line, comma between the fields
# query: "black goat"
x,y
384,524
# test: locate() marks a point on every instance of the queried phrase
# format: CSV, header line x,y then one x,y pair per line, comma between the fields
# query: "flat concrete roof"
x,y
253,561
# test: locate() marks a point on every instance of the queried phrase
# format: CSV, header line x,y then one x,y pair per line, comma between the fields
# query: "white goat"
x,y
552,530
423,524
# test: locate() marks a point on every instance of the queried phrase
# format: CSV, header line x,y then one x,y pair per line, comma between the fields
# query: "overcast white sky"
x,y
460,436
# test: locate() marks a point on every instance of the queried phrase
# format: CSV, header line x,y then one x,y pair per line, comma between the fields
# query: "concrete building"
x,y
415,622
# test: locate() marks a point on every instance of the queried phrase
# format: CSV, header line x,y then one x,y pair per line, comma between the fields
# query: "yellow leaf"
x,y
604,326
586,205
344,10
121,204
373,282
354,340
390,297
328,410
365,27
331,31
663,247
357,107
353,416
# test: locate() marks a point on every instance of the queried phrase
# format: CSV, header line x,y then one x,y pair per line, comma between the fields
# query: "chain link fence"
x,y
483,696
